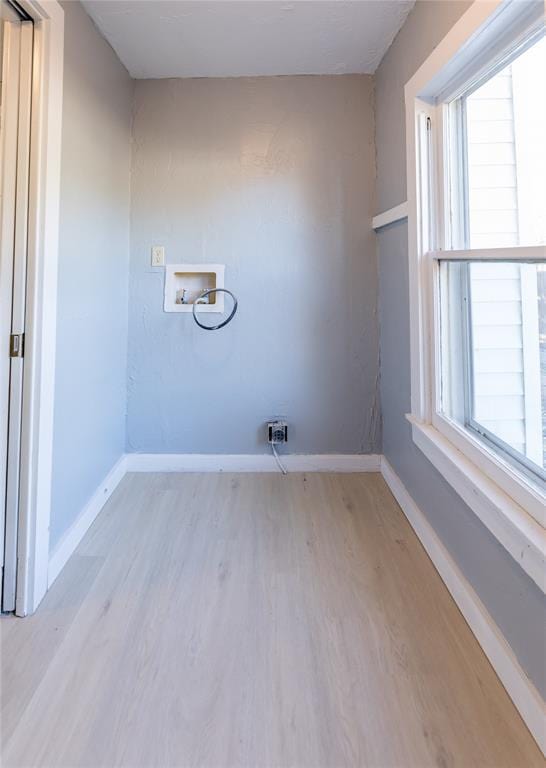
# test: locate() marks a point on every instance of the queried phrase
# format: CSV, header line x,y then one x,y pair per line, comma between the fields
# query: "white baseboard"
x,y
175,462
195,462
521,690
79,527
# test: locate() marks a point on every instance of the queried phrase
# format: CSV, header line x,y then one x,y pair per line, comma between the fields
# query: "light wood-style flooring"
x,y
252,620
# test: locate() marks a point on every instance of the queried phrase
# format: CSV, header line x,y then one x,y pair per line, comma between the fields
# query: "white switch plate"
x,y
158,256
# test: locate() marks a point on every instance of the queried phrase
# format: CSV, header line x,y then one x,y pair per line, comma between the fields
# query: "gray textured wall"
x,y
272,177
514,601
90,391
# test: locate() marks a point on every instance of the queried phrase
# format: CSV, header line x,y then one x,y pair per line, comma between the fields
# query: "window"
x,y
504,134
493,379
492,307
476,143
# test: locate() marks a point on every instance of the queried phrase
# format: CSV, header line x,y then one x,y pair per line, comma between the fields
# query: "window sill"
x,y
511,525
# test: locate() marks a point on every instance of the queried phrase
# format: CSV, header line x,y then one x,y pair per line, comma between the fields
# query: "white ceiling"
x,y
227,38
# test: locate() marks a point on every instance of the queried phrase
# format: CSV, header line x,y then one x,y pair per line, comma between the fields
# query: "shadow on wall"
x,y
272,177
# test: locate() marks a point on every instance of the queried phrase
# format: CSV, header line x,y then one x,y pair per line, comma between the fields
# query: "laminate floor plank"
x,y
218,620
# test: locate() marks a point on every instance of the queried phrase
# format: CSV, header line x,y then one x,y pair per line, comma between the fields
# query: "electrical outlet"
x,y
277,432
158,256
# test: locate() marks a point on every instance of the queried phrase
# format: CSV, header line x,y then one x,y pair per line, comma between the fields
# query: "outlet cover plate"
x,y
158,256
277,432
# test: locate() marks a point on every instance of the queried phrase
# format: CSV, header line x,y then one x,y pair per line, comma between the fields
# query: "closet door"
x,y
17,44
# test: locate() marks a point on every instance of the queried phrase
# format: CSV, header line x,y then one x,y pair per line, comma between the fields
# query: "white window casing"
x,y
512,506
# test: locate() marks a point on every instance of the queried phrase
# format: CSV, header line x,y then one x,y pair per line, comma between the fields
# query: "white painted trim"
x,y
8,135
512,526
176,462
515,253
397,213
530,335
40,338
83,522
195,462
420,305
18,314
489,464
521,690
496,490
485,23
475,41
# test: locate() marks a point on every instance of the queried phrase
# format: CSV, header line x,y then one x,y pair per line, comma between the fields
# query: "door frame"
x,y
16,113
11,45
41,309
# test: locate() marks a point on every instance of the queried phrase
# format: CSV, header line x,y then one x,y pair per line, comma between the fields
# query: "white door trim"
x,y
40,327
9,120
17,320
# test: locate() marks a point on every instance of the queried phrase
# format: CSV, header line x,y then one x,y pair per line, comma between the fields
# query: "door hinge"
x,y
17,345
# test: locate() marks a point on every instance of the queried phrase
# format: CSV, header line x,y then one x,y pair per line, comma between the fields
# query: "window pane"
x,y
494,355
506,154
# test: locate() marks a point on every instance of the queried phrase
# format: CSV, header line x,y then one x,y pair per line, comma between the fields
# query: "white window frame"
x,y
512,507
